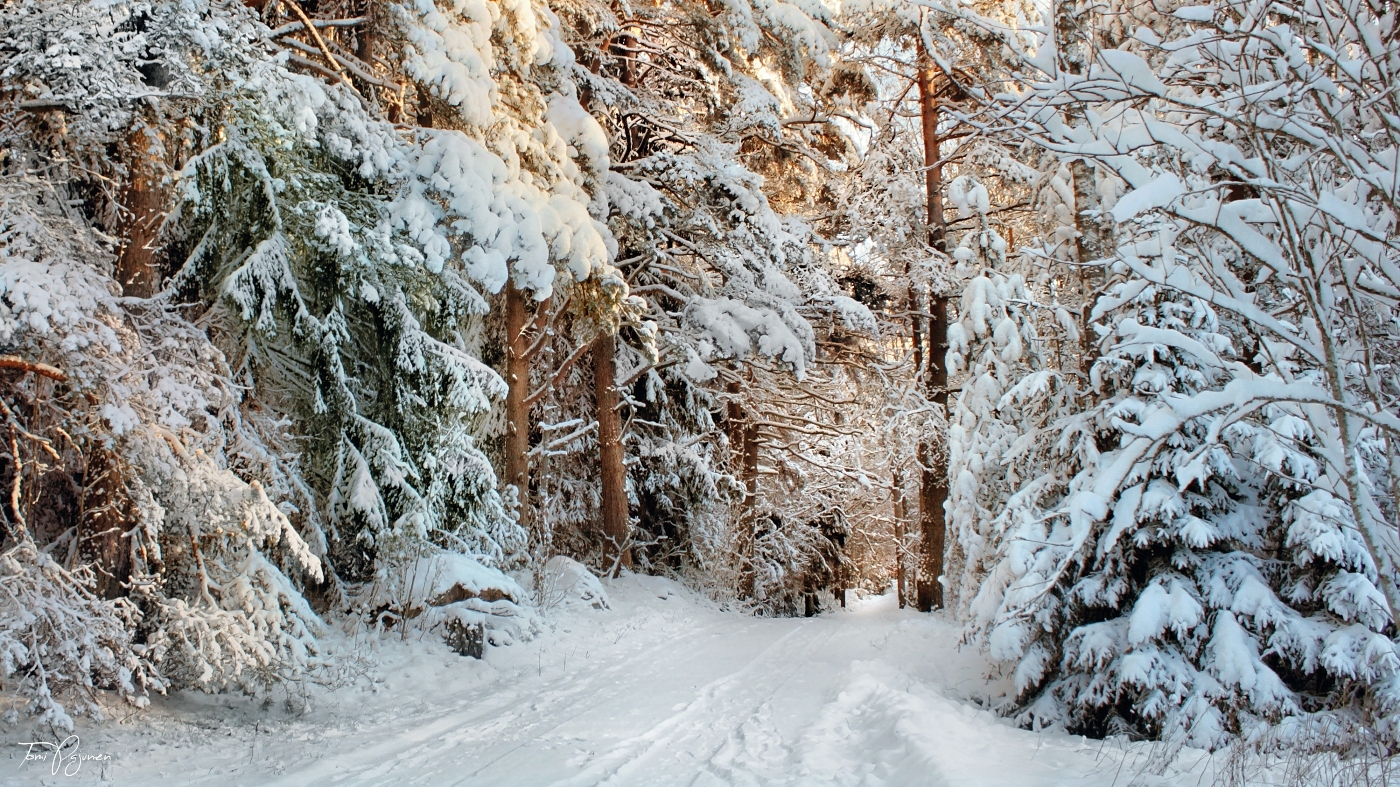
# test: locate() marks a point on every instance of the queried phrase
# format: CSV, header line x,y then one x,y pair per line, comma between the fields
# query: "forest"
x,y
1071,323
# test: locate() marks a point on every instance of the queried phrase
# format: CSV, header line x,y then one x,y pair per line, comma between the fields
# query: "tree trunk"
x,y
517,448
1093,236
734,423
916,335
748,474
1093,241
933,491
367,37
616,521
144,199
625,49
743,451
900,511
933,171
106,514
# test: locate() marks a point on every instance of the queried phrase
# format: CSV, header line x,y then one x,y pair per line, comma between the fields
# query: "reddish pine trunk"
x,y
933,488
933,172
138,271
616,521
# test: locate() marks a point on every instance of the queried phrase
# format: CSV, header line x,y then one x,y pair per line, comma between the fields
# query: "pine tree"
x,y
1199,552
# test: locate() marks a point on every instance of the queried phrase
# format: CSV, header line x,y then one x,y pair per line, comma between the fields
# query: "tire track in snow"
x,y
414,737
755,720
695,726
480,775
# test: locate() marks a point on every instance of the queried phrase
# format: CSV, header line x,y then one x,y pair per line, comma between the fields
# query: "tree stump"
x,y
467,639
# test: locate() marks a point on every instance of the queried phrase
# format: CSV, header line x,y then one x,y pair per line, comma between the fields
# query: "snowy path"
x,y
662,689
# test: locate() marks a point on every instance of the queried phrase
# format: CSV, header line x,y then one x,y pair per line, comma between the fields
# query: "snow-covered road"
x,y
660,689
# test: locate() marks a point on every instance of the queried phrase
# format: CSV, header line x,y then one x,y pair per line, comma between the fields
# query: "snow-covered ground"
x,y
662,688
